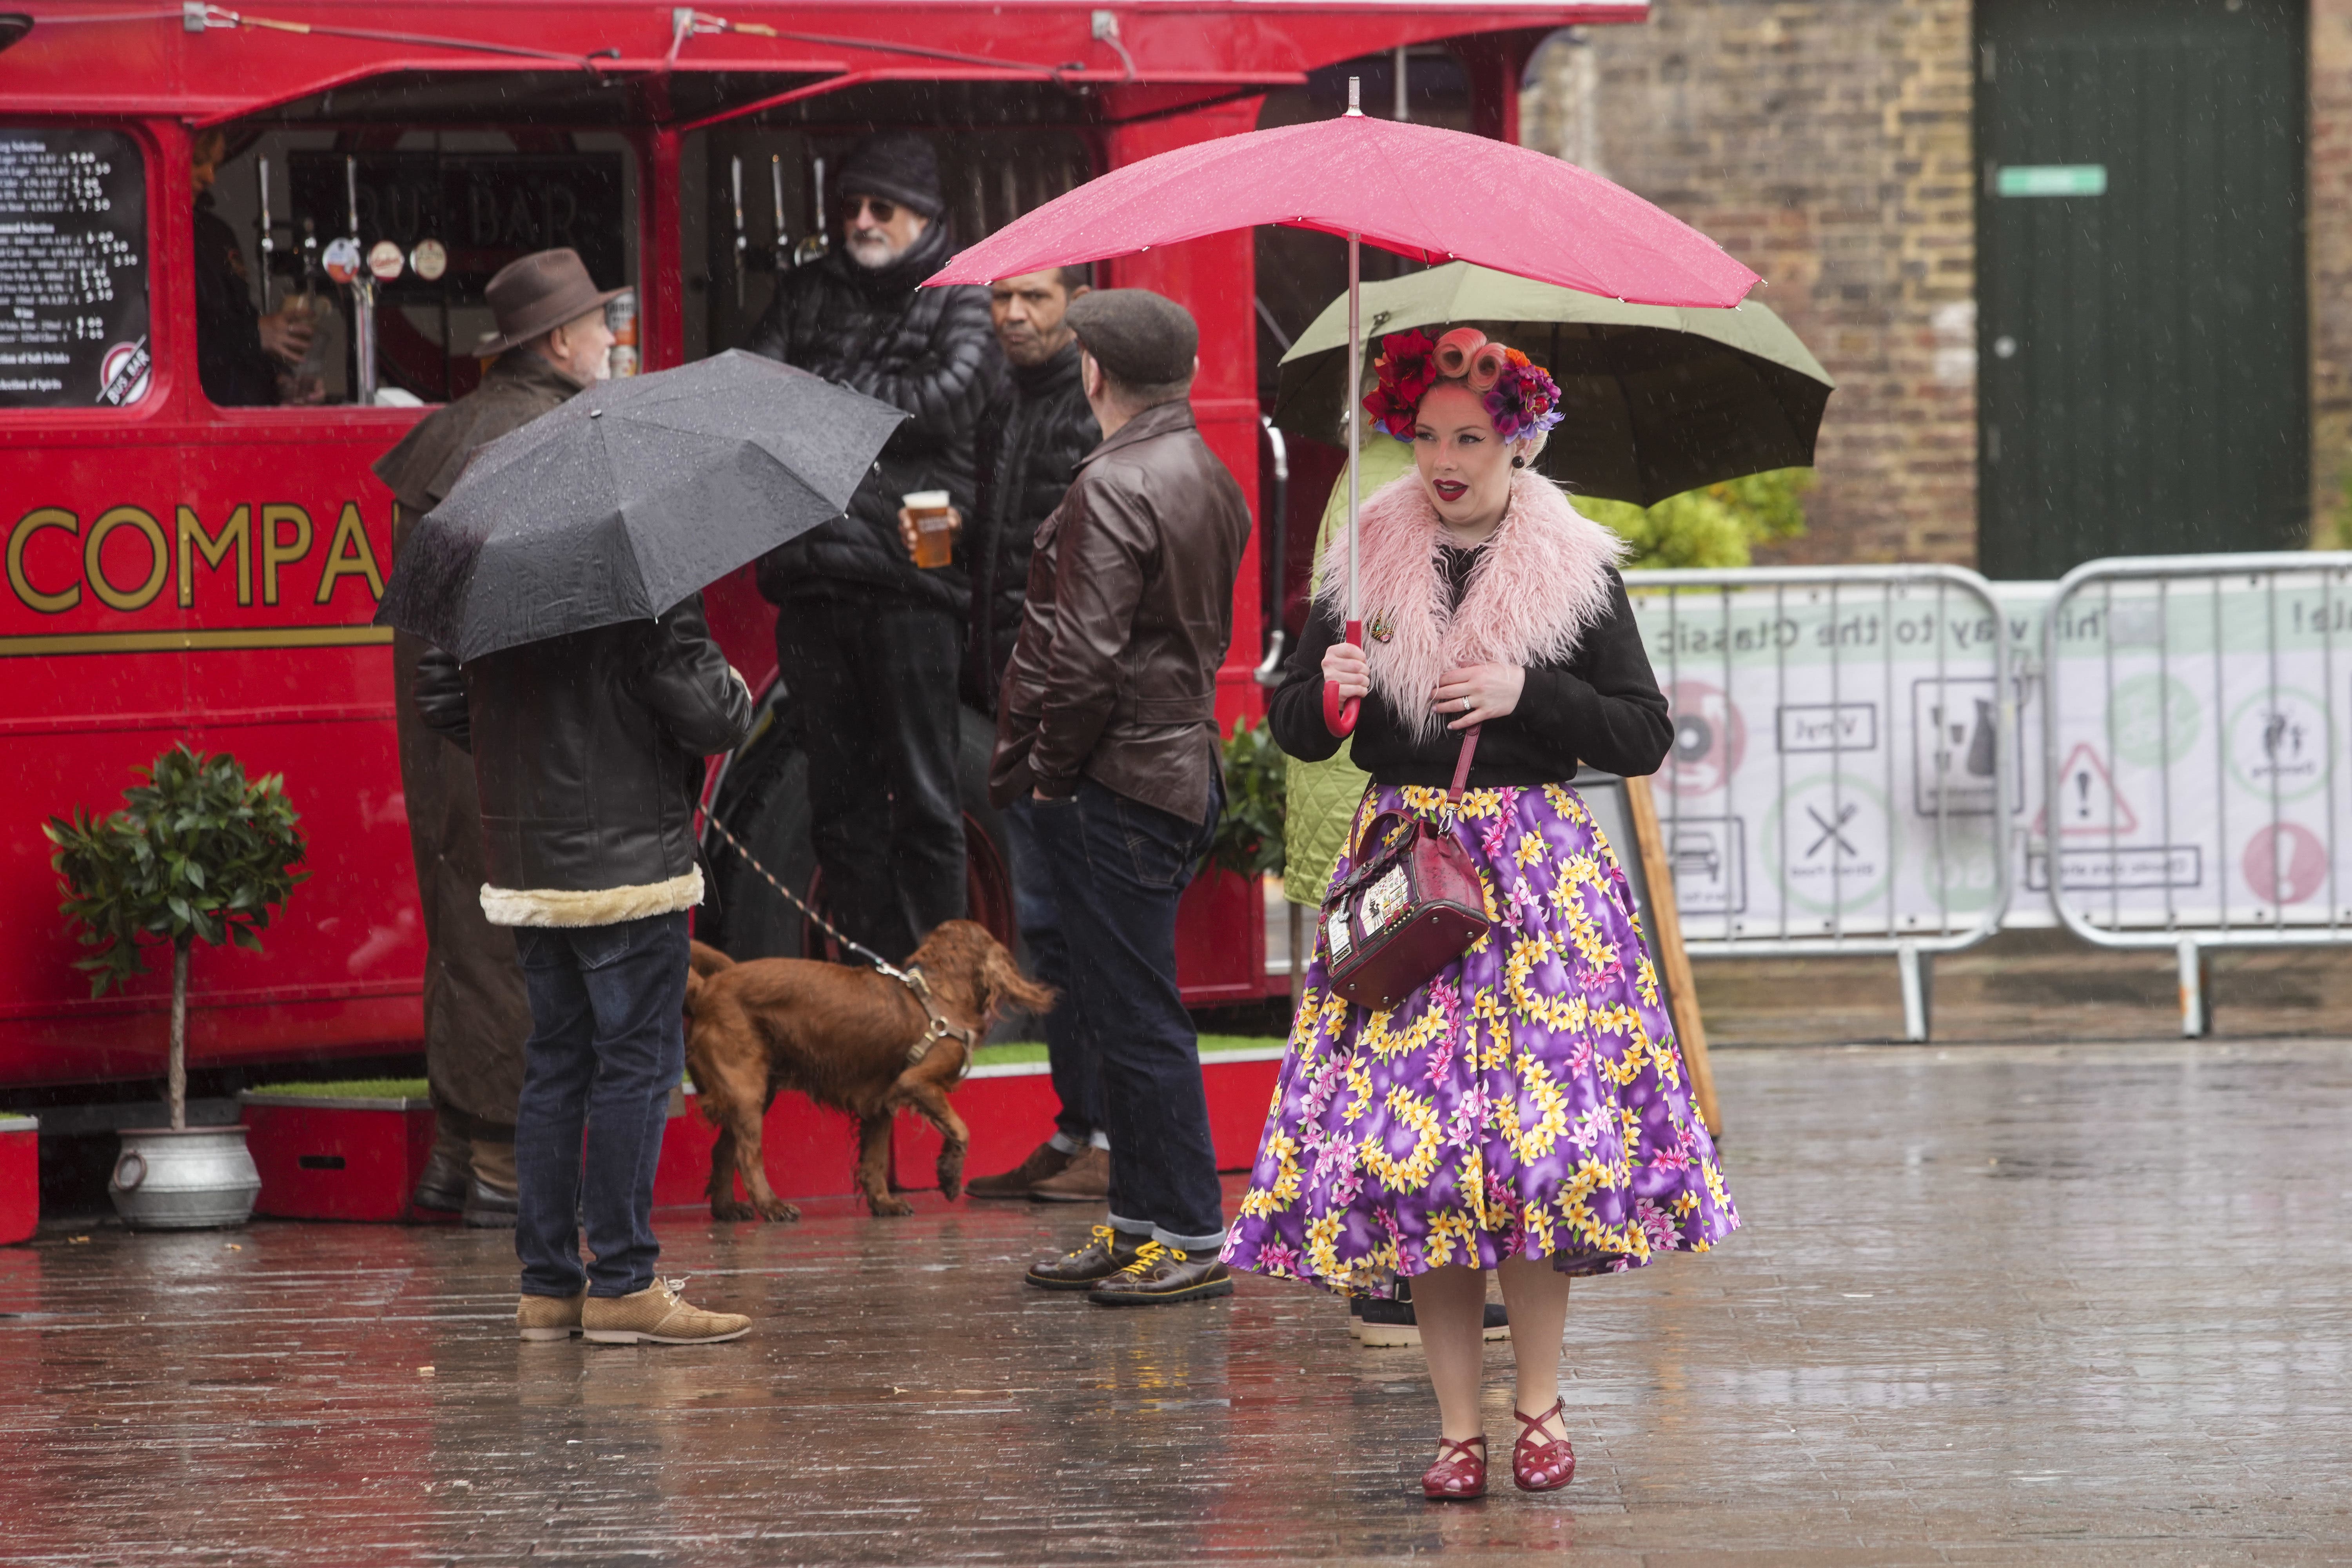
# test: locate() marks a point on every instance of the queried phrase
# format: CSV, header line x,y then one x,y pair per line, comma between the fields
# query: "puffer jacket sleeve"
x,y
944,391
771,336
686,680
441,697
1105,553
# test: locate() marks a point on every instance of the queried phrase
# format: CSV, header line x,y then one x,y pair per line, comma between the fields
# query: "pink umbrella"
x,y
1427,192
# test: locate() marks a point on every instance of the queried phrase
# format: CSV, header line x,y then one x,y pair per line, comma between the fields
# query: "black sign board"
x,y
487,208
73,269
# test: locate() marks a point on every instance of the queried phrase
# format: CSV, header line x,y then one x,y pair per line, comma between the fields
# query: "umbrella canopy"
x,y
1658,399
630,497
1421,191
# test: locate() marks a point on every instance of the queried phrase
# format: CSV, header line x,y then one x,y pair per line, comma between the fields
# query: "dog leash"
x,y
913,979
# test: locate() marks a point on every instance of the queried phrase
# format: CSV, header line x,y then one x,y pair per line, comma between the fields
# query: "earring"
x,y
1519,462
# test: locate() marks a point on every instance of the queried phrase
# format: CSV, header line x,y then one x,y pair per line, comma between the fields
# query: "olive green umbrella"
x,y
1659,399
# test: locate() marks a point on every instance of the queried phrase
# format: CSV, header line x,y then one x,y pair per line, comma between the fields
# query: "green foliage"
x,y
1716,526
196,854
347,1089
1249,836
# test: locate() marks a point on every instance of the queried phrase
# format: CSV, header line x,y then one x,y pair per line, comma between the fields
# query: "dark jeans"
x,y
1078,1077
607,1045
1118,868
872,683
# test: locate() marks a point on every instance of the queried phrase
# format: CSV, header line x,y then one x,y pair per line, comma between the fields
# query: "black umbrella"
x,y
1658,399
622,501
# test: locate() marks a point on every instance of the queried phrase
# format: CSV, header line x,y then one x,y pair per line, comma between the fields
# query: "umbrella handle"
x,y
1340,713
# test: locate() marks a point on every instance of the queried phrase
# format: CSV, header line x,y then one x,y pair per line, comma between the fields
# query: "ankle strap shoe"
x,y
1460,1473
1540,1462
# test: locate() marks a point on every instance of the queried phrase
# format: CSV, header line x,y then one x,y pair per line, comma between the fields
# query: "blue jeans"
x,y
1118,868
607,1045
1078,1079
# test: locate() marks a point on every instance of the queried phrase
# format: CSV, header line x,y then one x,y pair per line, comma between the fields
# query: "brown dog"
x,y
842,1036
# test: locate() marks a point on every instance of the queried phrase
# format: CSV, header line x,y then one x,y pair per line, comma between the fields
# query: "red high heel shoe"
x,y
1460,1473
1541,1464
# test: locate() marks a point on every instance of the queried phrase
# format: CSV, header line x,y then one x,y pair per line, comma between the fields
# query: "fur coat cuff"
x,y
592,905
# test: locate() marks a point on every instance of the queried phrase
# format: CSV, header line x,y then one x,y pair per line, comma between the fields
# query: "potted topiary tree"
x,y
197,854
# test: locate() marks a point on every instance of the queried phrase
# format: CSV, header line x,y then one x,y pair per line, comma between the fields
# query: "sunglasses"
x,y
883,210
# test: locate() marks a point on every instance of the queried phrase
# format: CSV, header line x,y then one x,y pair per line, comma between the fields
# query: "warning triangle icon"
x,y
2085,799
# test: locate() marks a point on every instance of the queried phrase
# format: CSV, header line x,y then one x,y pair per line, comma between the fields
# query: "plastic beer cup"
x,y
934,535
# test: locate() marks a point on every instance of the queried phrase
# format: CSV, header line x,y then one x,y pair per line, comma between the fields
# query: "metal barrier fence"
x,y
1846,759
2194,708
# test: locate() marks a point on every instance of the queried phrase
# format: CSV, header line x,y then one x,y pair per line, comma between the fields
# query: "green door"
x,y
2142,382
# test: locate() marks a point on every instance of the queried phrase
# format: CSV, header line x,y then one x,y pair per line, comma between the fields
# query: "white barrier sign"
x,y
2199,716
1841,761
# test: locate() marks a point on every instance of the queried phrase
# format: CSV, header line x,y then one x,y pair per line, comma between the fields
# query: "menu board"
x,y
73,269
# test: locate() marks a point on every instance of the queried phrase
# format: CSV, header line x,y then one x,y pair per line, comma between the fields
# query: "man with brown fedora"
x,y
551,342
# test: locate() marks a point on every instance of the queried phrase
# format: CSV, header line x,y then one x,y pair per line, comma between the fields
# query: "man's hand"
x,y
1473,693
907,533
287,335
1345,666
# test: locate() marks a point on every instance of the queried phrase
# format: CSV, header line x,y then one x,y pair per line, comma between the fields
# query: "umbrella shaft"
x,y
1355,408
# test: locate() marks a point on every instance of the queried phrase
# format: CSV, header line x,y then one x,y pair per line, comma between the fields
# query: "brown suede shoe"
x,y
1104,1255
1162,1274
549,1317
656,1314
1085,1181
1043,1161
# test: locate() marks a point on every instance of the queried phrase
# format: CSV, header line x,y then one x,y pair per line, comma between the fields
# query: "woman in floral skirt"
x,y
1525,1110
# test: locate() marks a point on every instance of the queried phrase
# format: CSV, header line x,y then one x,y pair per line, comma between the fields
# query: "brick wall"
x,y
1828,144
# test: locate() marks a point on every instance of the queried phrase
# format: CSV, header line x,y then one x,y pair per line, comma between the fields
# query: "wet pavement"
x,y
1992,1305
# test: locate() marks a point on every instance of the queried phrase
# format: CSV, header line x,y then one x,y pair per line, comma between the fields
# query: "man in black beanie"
x,y
868,644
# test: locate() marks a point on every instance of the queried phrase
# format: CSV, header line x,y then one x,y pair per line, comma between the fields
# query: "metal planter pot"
x,y
193,1179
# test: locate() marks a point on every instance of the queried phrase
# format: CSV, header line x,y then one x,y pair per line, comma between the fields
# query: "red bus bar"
x,y
177,570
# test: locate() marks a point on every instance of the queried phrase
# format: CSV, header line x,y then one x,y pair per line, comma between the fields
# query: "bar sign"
x,y
2051,180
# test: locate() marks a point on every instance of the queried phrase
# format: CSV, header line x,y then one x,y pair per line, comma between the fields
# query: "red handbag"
x,y
1411,906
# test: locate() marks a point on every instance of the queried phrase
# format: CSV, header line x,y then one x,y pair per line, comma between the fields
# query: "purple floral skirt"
x,y
1529,1101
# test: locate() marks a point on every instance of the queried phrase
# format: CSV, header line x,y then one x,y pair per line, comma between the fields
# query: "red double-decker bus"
x,y
181,571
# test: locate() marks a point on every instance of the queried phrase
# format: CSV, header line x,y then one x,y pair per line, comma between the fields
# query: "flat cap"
x,y
1143,339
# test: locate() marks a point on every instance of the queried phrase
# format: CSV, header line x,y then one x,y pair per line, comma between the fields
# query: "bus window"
x,y
73,269
441,211
762,198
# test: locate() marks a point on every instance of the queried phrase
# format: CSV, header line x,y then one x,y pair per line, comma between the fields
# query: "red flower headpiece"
x,y
1519,397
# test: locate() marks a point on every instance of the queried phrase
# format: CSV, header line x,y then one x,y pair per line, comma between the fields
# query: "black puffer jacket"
x,y
588,752
926,351
1035,432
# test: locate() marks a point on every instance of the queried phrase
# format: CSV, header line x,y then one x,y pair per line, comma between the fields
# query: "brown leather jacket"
x,y
1129,610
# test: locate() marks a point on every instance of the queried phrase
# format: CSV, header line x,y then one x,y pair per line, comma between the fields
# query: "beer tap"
x,y
363,297
819,236
742,243
776,181
268,245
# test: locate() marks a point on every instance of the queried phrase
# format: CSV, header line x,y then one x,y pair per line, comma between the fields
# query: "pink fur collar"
x,y
1540,583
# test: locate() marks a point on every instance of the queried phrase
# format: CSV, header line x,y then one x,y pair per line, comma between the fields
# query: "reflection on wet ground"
x,y
1992,1305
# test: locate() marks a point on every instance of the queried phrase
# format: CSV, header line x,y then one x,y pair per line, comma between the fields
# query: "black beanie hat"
x,y
896,165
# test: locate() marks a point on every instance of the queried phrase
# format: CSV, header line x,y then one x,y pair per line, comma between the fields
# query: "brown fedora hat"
x,y
538,294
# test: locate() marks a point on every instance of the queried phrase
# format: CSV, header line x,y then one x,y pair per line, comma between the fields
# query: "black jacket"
x,y
1035,432
927,350
1601,708
231,365
588,752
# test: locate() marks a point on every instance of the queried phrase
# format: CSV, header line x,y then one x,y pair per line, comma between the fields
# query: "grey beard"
x,y
874,252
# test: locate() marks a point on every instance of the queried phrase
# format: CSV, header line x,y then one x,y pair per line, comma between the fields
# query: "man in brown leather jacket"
x,y
1107,721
